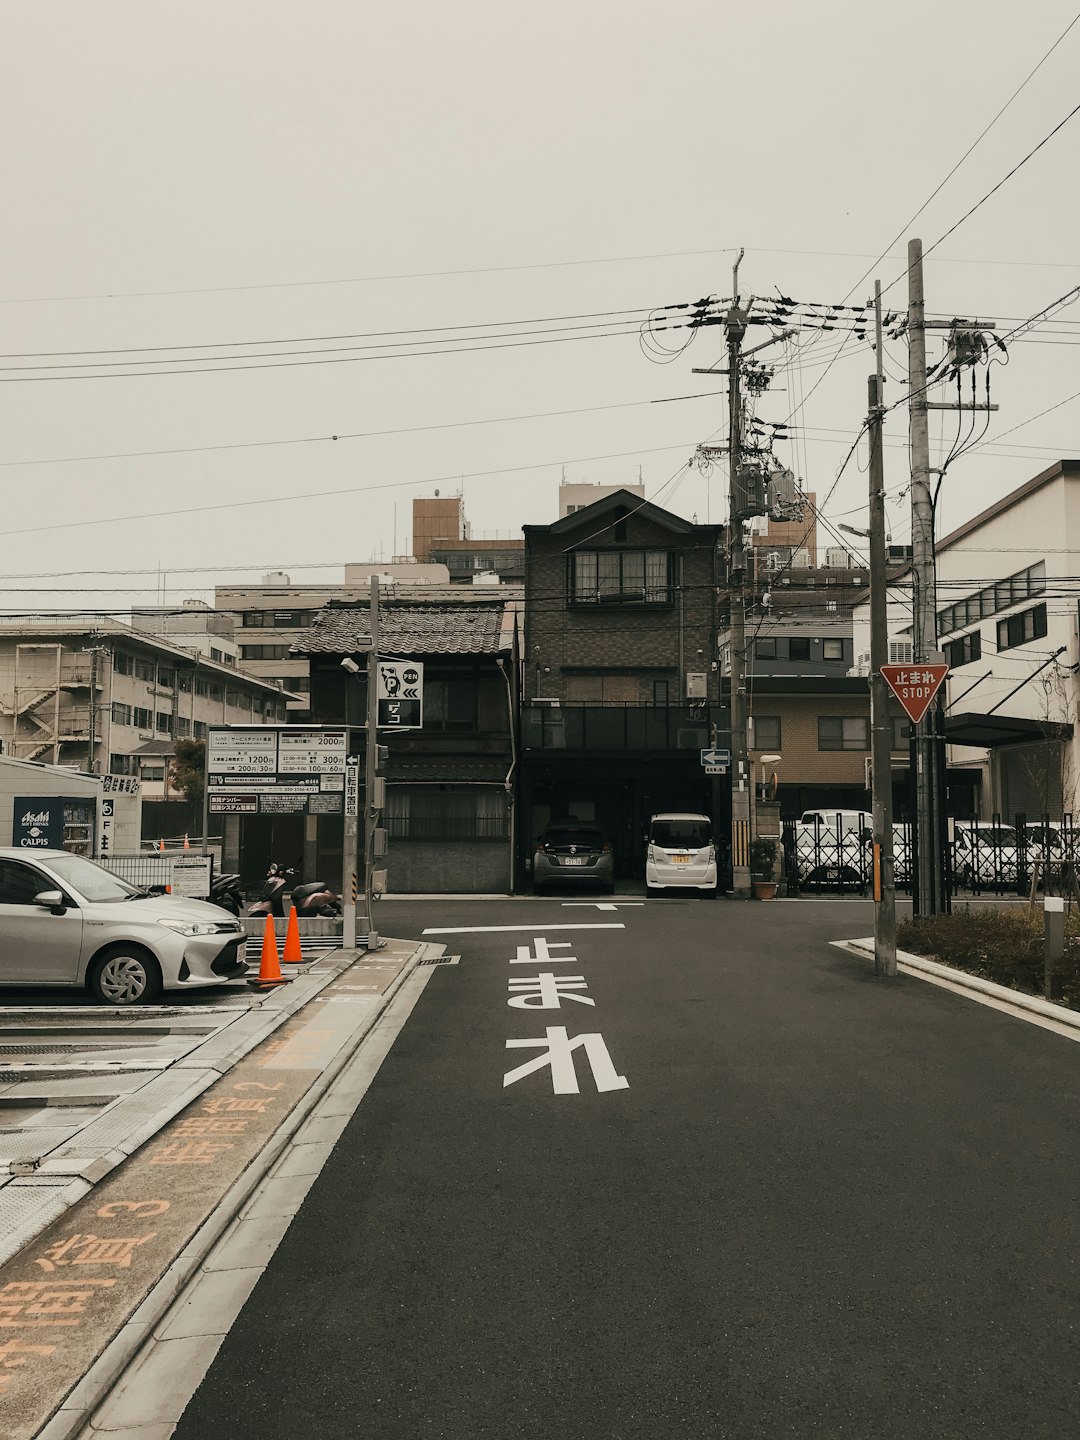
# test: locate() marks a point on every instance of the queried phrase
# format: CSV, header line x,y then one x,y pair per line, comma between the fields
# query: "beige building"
x,y
105,697
575,495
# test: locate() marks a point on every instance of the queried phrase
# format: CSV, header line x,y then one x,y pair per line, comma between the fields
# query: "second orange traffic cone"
x,y
269,966
291,954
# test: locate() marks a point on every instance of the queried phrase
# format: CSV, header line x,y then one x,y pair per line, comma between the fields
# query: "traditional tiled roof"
x,y
410,630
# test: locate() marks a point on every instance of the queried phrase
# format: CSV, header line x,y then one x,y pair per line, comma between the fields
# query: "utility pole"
x,y
735,330
373,786
930,896
880,720
930,824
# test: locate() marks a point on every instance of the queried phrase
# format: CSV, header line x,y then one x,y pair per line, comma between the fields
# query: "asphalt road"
x,y
821,1204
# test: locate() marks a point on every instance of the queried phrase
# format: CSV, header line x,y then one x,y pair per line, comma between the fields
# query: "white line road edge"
x,y
534,929
1031,1008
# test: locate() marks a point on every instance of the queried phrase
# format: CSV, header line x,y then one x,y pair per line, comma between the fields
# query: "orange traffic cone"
x,y
270,966
161,844
291,954
186,845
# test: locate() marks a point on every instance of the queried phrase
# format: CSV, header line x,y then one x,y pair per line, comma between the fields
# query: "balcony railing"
x,y
620,727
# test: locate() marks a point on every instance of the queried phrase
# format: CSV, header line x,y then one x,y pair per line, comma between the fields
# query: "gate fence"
x,y
834,854
164,872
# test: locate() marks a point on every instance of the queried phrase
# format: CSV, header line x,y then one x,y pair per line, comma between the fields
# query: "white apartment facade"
x,y
1009,627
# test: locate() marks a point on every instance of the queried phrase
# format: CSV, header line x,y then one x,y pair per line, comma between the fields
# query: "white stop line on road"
x,y
533,929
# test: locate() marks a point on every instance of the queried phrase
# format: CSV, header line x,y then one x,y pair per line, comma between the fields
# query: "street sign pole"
x,y
371,814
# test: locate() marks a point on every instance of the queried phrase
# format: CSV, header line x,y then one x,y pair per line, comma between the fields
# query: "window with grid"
x,y
145,670
627,577
183,725
450,704
123,664
141,718
164,722
843,732
121,714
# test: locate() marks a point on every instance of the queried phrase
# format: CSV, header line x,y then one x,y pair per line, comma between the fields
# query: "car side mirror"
x,y
51,900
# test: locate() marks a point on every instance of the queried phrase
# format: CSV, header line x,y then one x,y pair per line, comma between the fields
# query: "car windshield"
x,y
1039,835
681,834
90,880
588,839
993,835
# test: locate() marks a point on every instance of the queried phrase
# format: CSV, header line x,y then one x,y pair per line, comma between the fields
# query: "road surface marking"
x,y
603,904
559,1059
499,929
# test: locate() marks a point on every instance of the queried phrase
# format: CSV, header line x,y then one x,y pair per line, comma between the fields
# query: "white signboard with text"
x,y
276,770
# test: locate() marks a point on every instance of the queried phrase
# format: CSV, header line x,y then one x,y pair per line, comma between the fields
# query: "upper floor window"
x,y
765,649
798,648
843,732
621,577
1019,629
832,649
965,649
122,664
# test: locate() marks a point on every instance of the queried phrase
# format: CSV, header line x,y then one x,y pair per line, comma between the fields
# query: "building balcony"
x,y
653,728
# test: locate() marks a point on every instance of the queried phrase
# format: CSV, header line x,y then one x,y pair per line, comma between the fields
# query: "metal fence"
x,y
834,854
164,872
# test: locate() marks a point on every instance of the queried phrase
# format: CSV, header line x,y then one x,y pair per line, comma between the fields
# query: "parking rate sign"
x,y
915,686
400,695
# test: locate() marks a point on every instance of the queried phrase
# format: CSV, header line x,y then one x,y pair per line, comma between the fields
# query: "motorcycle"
x,y
315,898
271,898
226,892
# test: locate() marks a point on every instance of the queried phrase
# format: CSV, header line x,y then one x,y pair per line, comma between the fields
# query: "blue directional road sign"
x,y
714,756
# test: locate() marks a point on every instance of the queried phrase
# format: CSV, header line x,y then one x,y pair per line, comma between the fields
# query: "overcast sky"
x,y
255,171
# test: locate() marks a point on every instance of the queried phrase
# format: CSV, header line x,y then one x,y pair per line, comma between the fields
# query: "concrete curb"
x,y
93,1389
205,1065
1015,1001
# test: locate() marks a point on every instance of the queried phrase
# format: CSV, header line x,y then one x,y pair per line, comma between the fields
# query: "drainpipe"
x,y
508,783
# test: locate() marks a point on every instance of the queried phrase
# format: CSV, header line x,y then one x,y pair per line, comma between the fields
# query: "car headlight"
x,y
197,927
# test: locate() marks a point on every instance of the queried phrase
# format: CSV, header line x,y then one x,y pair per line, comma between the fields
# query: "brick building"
x,y
621,680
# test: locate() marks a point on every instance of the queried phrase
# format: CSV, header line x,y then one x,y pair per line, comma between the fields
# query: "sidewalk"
x,y
86,1256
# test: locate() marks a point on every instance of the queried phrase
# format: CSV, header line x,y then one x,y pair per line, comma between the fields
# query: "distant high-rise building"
x,y
436,519
575,495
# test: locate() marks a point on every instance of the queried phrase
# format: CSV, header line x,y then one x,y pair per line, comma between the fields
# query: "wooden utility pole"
x,y
880,719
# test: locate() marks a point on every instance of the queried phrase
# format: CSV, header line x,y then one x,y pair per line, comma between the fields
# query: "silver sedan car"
x,y
66,921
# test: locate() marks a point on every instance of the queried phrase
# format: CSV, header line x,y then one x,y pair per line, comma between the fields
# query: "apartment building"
x,y
103,696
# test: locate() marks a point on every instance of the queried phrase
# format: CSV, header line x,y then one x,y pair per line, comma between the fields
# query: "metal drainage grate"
x,y
63,1049
441,960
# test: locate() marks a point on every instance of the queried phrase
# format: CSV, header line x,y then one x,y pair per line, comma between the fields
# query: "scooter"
x,y
315,898
226,892
271,898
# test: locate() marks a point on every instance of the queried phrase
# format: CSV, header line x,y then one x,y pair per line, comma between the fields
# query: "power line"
x,y
306,495
343,435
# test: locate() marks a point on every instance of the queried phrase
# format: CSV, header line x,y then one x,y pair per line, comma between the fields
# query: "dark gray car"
x,y
573,853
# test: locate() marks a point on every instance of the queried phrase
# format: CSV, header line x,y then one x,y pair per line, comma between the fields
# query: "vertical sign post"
x,y
371,814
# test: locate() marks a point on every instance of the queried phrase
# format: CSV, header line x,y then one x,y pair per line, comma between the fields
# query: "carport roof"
x,y
992,731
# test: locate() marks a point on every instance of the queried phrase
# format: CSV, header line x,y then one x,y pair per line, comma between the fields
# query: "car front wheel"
x,y
125,976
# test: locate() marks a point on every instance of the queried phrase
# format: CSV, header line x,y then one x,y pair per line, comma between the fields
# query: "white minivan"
x,y
680,853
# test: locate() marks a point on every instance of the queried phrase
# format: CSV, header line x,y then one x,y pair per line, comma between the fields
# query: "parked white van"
x,y
680,853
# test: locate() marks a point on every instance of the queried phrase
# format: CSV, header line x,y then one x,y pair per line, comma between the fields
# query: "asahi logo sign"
x,y
39,824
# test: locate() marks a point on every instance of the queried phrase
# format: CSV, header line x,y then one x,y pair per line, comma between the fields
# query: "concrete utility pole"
x,y
930,891
735,329
880,720
372,786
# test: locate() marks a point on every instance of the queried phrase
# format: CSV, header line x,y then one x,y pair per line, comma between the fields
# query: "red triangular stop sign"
x,y
914,686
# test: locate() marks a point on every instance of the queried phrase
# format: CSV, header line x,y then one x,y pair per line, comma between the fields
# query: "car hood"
x,y
158,907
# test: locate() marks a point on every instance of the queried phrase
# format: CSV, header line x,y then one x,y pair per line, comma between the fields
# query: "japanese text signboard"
x,y
914,686
274,770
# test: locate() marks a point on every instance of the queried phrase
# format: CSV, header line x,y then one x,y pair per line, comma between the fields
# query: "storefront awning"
x,y
992,731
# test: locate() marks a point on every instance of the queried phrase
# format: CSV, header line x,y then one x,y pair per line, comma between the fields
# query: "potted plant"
x,y
763,867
